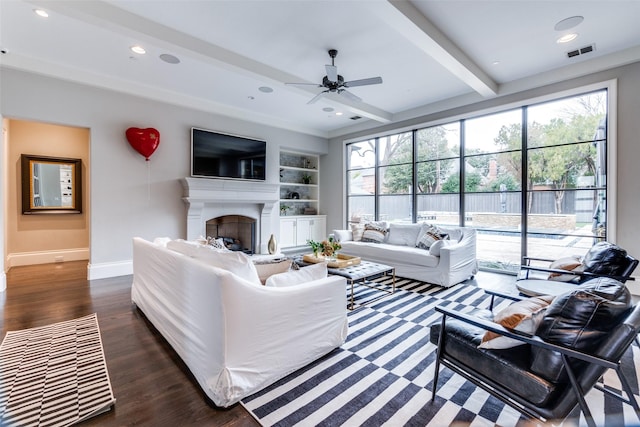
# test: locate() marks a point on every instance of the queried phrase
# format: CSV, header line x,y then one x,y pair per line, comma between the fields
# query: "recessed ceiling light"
x,y
568,23
567,38
169,59
265,89
327,109
138,49
495,63
338,113
41,12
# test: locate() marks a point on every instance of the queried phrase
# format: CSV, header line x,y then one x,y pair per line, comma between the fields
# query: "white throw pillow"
x,y
235,262
429,234
342,235
296,277
375,232
403,234
523,316
184,247
161,241
357,230
570,263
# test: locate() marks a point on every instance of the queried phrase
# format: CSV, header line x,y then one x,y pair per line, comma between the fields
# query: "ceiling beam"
x,y
417,29
101,13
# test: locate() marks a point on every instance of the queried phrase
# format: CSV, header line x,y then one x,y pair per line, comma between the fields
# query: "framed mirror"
x,y
51,185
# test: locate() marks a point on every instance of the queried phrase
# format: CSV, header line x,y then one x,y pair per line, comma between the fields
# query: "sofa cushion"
x,y
403,234
579,319
185,247
374,232
297,277
523,316
233,261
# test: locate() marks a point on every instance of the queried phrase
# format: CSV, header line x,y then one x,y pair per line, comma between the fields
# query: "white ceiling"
x,y
431,55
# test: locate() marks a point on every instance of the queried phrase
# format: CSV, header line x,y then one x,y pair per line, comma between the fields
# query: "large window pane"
x,y
443,209
394,149
361,208
439,142
394,208
361,154
397,179
362,181
562,178
493,133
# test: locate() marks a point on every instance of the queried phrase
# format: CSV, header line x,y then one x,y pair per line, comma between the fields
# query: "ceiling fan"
x,y
333,82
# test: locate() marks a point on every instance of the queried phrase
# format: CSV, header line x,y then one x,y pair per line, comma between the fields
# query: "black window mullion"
x,y
461,155
525,188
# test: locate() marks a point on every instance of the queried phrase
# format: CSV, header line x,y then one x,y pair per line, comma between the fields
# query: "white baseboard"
x,y
105,270
47,257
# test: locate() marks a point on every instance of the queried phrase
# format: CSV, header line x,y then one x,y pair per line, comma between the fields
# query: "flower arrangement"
x,y
327,248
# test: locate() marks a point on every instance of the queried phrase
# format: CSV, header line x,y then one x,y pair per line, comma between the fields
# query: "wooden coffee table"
x,y
361,274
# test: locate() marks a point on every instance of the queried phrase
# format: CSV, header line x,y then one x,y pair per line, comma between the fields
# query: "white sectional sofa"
x,y
235,335
444,264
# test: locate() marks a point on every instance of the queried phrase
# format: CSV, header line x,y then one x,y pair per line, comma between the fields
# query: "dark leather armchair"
x,y
604,259
581,334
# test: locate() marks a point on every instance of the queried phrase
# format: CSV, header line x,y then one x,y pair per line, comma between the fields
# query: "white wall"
x,y
131,197
628,149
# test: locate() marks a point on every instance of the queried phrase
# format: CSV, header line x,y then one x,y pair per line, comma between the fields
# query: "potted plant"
x,y
306,178
284,209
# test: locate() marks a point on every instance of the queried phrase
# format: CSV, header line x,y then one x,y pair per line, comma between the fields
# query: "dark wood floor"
x,y
151,385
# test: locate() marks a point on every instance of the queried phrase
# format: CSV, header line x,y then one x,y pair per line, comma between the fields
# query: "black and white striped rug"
x,y
383,374
54,375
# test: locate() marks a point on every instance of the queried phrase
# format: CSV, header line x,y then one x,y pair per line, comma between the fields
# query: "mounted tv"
x,y
220,155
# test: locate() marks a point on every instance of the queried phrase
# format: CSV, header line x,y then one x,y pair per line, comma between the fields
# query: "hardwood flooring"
x,y
151,384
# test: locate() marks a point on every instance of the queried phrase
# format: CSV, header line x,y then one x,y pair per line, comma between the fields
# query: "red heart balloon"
x,y
144,141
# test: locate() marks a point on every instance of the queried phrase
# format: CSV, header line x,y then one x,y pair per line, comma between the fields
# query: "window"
x,y
531,180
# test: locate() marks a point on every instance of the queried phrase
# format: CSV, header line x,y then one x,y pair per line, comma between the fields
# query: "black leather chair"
x,y
603,259
582,334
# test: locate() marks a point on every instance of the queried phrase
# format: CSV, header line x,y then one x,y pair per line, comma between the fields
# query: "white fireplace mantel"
x,y
209,198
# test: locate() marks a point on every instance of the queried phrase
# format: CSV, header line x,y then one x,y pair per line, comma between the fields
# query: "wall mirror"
x,y
51,185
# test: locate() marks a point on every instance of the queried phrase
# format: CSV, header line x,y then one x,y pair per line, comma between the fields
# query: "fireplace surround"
x,y
208,198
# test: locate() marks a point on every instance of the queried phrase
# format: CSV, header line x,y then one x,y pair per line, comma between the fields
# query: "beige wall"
x,y
41,238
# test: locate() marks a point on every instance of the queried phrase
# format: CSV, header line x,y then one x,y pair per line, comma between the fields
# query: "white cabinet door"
x,y
305,225
318,230
287,232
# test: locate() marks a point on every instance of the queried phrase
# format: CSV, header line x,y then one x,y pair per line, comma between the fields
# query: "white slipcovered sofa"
x,y
445,264
235,335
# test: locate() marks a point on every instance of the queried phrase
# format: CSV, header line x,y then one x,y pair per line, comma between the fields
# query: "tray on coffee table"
x,y
341,261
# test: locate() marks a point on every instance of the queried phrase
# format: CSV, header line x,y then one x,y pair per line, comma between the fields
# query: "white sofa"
x,y
235,335
451,263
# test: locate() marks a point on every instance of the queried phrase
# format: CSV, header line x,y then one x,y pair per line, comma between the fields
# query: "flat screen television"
x,y
220,155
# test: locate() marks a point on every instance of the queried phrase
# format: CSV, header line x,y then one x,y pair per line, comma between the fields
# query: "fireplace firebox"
x,y
237,232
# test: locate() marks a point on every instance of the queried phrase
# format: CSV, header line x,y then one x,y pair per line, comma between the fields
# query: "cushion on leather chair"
x,y
579,319
605,258
509,368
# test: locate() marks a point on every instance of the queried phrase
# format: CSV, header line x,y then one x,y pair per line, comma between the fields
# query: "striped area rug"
x,y
383,374
54,375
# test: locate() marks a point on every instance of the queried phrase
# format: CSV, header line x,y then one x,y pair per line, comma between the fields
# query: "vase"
x,y
272,246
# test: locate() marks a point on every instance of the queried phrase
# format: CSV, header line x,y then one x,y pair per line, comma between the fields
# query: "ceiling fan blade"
x,y
332,72
364,82
304,84
349,95
317,97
